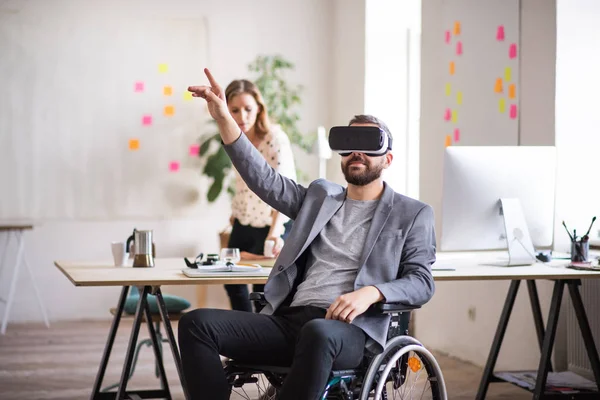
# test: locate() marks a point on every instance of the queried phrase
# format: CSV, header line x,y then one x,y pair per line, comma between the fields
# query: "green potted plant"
x,y
282,101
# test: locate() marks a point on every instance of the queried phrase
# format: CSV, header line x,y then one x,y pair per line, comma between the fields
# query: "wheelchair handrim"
x,y
417,349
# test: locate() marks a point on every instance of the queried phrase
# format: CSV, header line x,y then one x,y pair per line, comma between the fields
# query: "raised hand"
x,y
214,96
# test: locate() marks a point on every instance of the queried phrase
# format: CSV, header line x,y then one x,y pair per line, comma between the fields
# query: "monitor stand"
x,y
518,240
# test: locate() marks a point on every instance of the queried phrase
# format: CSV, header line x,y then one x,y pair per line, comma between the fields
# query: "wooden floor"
x,y
61,363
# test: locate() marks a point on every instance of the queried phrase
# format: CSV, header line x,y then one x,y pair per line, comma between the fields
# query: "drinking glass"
x,y
230,255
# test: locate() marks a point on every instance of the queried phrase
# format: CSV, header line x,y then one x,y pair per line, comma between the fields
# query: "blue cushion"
x,y
174,304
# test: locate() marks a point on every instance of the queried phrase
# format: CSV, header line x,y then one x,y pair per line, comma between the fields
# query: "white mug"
x,y
119,253
268,249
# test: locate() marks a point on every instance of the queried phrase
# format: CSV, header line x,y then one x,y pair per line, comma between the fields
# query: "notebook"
x,y
224,270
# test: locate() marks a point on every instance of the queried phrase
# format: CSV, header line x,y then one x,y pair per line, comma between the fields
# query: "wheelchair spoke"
x,y
257,388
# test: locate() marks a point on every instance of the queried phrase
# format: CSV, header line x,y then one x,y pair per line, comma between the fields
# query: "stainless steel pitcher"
x,y
143,255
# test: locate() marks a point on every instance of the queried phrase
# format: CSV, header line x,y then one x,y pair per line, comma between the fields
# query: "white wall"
x,y
444,323
347,73
578,141
238,31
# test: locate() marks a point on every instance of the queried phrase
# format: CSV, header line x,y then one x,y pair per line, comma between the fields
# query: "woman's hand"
x,y
277,246
214,96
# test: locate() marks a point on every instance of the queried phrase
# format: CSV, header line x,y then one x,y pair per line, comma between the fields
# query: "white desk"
x,y
17,231
471,266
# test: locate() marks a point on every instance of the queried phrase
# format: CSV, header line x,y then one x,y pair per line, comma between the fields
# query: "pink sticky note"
x,y
500,33
456,135
173,166
447,36
513,111
194,149
512,51
459,48
147,120
448,114
139,86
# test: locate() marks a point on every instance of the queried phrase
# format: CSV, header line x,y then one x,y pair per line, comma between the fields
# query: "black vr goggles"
x,y
369,140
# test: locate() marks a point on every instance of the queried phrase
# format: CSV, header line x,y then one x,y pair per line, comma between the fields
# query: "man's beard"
x,y
362,178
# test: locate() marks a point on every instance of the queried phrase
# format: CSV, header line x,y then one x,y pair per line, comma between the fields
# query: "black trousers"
x,y
299,337
250,239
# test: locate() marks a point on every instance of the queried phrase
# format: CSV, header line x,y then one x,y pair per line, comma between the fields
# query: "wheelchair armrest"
x,y
258,297
389,308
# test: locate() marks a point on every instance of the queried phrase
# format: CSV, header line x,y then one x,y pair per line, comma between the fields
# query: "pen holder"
x,y
580,250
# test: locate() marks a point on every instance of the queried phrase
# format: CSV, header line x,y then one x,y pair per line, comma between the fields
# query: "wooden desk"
x,y
167,271
17,231
468,267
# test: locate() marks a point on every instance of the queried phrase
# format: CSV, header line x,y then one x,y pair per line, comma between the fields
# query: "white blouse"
x,y
247,207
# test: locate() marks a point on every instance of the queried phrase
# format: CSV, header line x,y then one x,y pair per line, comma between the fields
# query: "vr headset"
x,y
369,140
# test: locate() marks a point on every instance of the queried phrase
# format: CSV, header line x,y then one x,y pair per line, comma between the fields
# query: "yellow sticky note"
x,y
448,89
187,95
457,28
512,91
163,68
169,111
459,98
167,90
498,86
134,144
502,105
507,74
448,140
454,116
452,67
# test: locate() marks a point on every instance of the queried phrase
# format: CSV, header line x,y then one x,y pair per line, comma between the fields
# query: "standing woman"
x,y
253,220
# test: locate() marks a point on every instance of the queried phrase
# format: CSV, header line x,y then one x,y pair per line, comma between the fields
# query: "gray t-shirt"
x,y
332,263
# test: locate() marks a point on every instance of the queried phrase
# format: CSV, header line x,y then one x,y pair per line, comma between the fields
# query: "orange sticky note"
x,y
169,111
459,98
498,86
187,95
457,28
134,144
448,89
501,105
512,91
448,140
167,90
452,67
163,68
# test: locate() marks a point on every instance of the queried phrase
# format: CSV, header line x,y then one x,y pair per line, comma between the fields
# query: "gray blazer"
x,y
398,252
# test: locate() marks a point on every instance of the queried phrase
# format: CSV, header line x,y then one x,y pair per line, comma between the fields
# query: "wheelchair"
x,y
403,370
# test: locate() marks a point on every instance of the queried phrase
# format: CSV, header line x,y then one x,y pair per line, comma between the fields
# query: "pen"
x,y
567,229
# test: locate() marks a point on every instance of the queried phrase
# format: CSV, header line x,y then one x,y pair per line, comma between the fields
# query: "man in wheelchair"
x,y
349,248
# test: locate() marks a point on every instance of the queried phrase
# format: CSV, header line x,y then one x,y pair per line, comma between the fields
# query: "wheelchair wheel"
x,y
405,370
252,386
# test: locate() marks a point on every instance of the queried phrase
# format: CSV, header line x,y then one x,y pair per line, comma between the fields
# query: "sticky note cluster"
x,y
505,85
452,38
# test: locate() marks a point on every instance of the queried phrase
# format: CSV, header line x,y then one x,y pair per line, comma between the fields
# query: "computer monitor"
x,y
499,197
